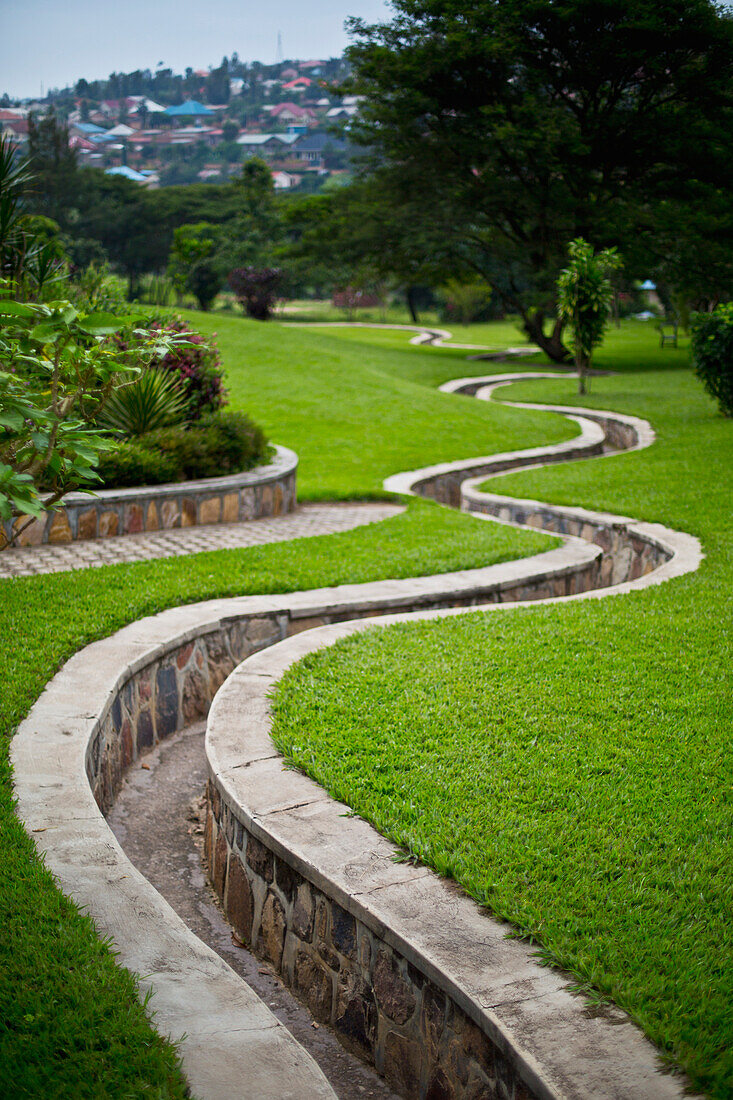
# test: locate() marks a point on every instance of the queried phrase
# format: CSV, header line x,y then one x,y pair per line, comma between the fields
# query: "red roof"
x,y
76,142
299,82
7,115
293,108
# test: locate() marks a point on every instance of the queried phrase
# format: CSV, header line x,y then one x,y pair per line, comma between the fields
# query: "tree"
x,y
363,234
257,228
54,167
256,289
518,125
192,244
468,298
205,282
585,298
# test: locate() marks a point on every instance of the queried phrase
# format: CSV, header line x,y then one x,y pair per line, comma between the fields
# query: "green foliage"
x,y
204,282
59,372
57,375
30,254
585,298
152,400
156,290
712,351
223,443
191,245
510,128
193,360
132,463
95,288
467,299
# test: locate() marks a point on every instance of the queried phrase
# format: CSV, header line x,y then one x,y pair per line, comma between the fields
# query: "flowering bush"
x,y
196,367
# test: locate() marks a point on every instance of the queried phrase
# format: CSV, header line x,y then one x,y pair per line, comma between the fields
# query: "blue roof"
x,y
128,173
190,107
89,128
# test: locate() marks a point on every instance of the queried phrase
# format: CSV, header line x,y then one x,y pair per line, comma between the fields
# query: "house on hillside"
x,y
283,181
190,109
86,129
299,84
312,147
14,127
291,112
265,145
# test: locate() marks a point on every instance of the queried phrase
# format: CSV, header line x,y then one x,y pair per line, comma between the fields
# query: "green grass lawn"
x,y
571,766
69,1021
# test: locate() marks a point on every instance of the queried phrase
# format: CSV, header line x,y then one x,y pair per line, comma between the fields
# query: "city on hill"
x,y
162,128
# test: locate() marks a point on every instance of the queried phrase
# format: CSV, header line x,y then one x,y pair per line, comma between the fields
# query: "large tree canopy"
x,y
518,125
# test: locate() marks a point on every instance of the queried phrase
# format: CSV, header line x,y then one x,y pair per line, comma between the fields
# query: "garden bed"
x,y
268,490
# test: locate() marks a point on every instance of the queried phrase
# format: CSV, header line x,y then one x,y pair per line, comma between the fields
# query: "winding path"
x,y
427,337
117,697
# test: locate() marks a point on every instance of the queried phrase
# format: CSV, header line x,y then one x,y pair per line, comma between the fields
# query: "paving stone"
x,y
307,522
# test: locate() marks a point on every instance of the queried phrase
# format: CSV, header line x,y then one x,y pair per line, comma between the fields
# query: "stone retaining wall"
x,y
381,1006
268,490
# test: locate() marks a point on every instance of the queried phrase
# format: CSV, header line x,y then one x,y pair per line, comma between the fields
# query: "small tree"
x,y
712,353
192,244
205,283
256,289
585,298
468,298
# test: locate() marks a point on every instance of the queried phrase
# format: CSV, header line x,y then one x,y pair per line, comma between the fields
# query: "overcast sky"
x,y
55,42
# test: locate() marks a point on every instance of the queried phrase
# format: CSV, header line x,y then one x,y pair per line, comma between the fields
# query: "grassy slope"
x,y
571,766
69,1021
356,414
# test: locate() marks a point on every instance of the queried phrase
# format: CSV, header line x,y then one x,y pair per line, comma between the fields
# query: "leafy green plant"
x,y
29,258
59,370
468,299
224,443
585,298
156,290
712,352
153,400
192,359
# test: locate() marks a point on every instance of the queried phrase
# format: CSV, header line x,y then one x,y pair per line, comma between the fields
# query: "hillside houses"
x,y
284,114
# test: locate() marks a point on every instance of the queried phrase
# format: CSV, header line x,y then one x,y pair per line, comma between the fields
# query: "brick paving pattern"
x,y
308,520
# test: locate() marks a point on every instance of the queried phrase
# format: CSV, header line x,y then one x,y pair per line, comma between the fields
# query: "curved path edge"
x,y
117,697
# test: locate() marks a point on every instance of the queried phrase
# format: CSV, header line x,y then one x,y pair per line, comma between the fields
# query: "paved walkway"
x,y
308,520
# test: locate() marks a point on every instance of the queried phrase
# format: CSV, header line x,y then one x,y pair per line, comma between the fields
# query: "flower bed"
x,y
268,490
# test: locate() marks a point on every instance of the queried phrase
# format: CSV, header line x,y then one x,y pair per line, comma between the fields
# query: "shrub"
x,y
153,400
712,353
132,463
468,299
223,443
205,283
197,368
256,289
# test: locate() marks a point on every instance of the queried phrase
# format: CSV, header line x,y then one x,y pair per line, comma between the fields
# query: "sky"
x,y
55,42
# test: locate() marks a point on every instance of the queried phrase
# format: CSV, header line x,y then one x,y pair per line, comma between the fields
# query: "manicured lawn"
x,y
69,1021
356,413
571,766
